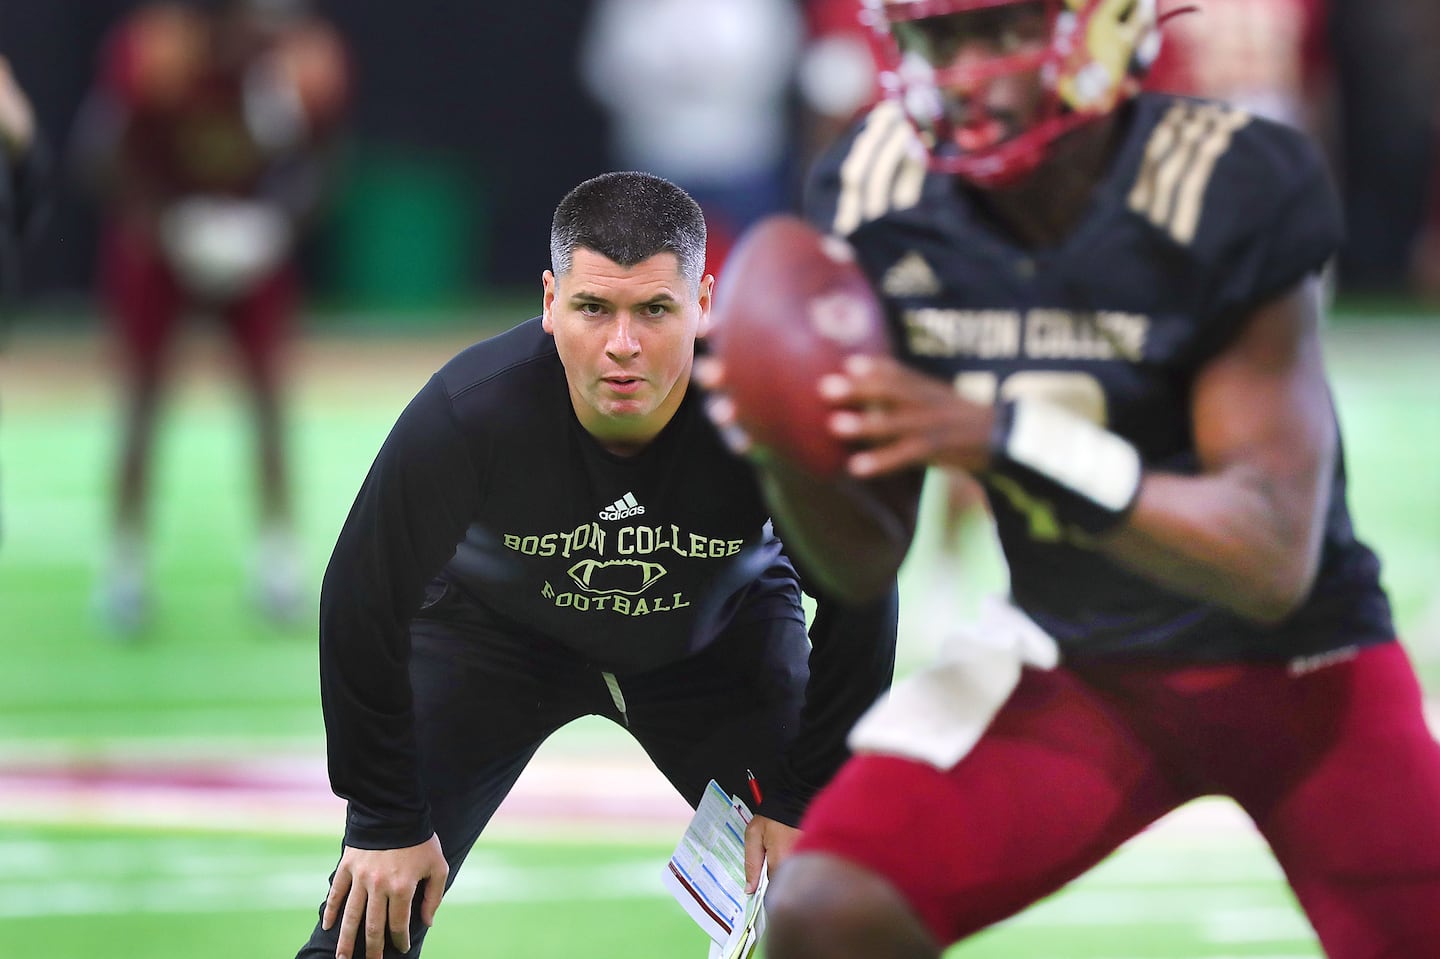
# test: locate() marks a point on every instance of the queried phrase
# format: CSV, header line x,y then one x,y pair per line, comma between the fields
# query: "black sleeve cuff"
x,y
363,832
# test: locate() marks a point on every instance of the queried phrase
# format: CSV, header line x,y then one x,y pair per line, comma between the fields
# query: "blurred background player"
x,y
839,73
1119,335
699,92
1270,57
1358,76
23,171
208,135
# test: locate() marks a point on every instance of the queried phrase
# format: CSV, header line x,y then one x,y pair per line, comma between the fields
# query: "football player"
x,y
208,136
553,530
1267,57
1106,307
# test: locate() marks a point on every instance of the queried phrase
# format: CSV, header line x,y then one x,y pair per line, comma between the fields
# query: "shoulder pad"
x,y
1249,200
1212,174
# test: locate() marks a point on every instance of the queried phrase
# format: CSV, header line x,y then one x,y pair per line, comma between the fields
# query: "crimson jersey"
x,y
195,123
1260,55
1206,214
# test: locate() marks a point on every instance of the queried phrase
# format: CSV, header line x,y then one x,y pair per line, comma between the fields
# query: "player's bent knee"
x,y
824,906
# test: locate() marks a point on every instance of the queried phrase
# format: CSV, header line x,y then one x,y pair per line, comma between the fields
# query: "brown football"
x,y
790,305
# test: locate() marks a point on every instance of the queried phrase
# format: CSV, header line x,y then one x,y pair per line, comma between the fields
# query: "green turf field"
x,y
68,892
96,876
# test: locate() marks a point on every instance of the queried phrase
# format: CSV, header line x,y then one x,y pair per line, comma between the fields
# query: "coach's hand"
x,y
378,885
767,842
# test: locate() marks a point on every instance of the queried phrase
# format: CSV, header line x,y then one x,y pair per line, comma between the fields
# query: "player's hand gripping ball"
x,y
790,306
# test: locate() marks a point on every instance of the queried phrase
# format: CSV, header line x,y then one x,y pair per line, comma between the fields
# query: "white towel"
x,y
936,715
221,247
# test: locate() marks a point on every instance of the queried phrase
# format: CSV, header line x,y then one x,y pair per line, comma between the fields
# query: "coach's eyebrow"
x,y
659,299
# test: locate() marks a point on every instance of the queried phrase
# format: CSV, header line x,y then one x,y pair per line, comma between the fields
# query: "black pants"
x,y
485,700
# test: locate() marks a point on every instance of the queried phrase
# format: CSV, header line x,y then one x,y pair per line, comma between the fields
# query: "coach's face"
x,y
626,336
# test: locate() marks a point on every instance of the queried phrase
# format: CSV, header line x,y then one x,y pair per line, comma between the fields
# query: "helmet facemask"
x,y
1087,57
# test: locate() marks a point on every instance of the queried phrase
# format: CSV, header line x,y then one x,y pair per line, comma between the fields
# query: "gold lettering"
x,y
1127,332
983,334
576,540
1045,331
1061,335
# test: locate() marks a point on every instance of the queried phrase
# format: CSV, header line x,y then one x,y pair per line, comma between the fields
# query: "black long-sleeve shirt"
x,y
489,481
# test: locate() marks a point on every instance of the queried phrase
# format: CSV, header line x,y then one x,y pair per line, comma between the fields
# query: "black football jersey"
x,y
1207,212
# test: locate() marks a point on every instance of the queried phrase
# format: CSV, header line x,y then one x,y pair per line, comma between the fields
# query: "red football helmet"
x,y
1090,58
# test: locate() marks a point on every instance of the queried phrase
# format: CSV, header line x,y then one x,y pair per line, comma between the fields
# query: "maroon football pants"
x,y
146,302
1336,767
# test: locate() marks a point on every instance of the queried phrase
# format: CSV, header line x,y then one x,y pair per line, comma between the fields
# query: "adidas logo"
x,y
910,276
623,507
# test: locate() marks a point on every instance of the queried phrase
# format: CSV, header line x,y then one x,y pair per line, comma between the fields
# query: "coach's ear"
x,y
547,302
706,298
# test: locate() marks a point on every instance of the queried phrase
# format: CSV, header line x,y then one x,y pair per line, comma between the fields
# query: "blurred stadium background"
x,y
167,796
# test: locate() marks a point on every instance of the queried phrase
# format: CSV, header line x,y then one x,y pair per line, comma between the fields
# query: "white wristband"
x,y
1090,475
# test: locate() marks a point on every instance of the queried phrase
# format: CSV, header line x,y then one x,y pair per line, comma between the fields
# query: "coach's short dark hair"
x,y
628,218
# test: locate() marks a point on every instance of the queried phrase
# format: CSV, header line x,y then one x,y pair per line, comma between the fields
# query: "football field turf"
x,y
165,797
69,892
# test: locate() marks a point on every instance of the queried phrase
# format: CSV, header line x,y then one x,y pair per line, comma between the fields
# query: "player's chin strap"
x,y
1083,475
937,714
